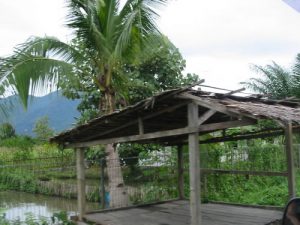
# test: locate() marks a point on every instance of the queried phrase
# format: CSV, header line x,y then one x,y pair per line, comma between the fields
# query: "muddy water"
x,y
16,205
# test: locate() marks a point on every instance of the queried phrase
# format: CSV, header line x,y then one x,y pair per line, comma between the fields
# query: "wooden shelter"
x,y
178,117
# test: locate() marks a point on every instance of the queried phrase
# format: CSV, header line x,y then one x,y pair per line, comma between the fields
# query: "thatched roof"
x,y
167,111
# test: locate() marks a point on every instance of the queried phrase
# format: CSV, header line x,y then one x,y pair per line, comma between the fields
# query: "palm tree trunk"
x,y
118,191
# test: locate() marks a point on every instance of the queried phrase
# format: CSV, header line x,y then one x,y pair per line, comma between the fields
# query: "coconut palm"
x,y
106,36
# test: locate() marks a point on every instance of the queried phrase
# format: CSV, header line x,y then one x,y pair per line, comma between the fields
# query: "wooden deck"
x,y
177,213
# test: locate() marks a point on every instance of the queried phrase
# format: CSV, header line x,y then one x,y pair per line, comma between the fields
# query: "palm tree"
x,y
296,68
277,82
106,36
296,76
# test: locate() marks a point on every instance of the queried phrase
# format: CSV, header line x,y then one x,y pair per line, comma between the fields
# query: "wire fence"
x,y
135,180
143,180
39,165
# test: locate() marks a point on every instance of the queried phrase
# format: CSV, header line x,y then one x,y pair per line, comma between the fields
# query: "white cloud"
x,y
218,38
21,19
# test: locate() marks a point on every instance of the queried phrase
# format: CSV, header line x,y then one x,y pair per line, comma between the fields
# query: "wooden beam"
x,y
243,172
265,133
136,121
133,138
234,92
194,167
167,133
225,125
218,107
204,103
81,201
206,116
246,136
180,171
290,160
141,125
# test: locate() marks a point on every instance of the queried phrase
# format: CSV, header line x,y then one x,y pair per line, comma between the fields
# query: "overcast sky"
x,y
219,39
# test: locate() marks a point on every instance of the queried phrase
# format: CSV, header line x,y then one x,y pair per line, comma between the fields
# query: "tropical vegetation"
x,y
276,82
107,37
118,57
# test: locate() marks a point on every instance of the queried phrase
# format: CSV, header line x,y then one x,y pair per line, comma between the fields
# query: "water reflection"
x,y
17,204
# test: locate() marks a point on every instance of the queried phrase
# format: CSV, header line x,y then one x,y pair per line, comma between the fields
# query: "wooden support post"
x,y
205,191
290,160
102,184
141,125
180,172
194,160
80,182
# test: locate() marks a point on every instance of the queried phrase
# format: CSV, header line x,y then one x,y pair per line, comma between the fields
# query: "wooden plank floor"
x,y
177,213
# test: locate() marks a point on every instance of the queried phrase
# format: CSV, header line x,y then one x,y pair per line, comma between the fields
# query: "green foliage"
x,y
248,155
132,152
160,68
247,189
3,220
20,142
276,82
16,148
6,131
60,218
95,153
18,181
42,130
155,176
107,36
24,148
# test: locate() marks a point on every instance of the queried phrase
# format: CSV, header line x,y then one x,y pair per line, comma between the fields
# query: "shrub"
x,y
42,130
6,131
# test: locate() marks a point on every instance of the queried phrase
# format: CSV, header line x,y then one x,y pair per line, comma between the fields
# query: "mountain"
x,y
60,111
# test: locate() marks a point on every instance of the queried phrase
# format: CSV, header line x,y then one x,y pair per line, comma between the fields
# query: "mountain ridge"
x,y
61,112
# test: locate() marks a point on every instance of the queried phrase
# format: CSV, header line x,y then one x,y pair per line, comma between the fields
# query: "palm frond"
x,y
296,68
137,22
86,18
276,81
33,75
125,34
36,65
